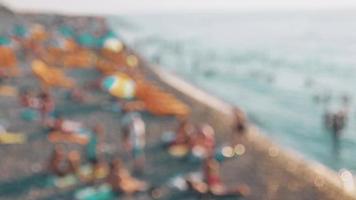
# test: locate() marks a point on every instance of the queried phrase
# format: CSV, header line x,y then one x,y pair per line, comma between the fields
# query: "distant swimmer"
x,y
335,123
346,101
322,98
309,82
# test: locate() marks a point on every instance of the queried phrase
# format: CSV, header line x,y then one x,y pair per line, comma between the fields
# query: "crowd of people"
x,y
50,51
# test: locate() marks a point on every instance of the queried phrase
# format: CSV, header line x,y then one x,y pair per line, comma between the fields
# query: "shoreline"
x,y
321,172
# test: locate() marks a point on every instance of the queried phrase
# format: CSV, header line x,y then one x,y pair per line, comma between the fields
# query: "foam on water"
x,y
272,65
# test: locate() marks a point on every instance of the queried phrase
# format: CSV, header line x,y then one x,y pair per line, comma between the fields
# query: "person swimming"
x,y
335,122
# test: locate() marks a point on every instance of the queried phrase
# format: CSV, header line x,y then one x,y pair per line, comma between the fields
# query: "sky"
x,y
156,6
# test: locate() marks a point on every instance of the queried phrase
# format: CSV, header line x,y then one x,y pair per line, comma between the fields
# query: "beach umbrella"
x,y
113,44
119,85
38,32
111,34
19,31
51,76
86,39
108,35
66,31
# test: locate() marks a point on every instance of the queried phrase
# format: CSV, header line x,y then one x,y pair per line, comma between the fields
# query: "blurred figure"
x,y
56,161
133,136
47,106
179,143
57,124
74,162
184,133
240,123
61,164
212,183
136,141
28,99
95,144
100,169
77,95
335,123
203,144
121,180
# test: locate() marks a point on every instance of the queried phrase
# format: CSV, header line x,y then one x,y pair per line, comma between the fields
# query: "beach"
x,y
271,172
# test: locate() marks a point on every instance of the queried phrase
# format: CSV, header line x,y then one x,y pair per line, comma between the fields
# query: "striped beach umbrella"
x,y
119,85
113,44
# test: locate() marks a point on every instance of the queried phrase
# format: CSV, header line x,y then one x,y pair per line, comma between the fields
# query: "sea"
x,y
284,69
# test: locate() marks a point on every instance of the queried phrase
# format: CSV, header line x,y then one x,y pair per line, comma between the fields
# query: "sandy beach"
x,y
271,173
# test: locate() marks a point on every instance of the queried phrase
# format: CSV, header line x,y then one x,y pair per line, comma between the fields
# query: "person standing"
x,y
95,144
47,106
135,141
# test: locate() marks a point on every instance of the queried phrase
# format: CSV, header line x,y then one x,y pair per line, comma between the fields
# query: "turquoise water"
x,y
270,64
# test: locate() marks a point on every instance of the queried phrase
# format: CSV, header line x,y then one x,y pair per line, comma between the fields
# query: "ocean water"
x,y
272,65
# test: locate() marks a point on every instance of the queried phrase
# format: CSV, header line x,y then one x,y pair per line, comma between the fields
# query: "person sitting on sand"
x,y
183,134
100,169
61,130
121,180
57,125
56,161
74,162
212,183
179,143
203,143
64,126
28,99
61,163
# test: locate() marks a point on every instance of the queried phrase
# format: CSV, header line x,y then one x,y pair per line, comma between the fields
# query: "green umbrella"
x,y
86,39
67,31
4,40
19,31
